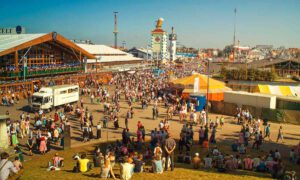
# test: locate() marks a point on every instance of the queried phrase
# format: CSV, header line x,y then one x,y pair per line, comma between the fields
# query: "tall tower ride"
x,y
173,39
116,30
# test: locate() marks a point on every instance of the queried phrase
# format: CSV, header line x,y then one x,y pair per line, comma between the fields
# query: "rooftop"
x,y
13,40
98,49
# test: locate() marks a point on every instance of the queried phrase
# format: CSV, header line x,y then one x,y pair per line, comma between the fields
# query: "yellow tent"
x,y
188,82
276,90
216,88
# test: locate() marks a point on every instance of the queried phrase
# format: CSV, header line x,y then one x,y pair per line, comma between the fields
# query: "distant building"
x,y
282,67
141,53
159,42
15,30
109,58
264,47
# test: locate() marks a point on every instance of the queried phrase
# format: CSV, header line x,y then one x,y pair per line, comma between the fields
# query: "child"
x,y
196,161
292,155
207,161
17,163
242,149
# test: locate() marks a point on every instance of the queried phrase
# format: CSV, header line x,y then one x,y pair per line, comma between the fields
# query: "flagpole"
x,y
234,30
207,89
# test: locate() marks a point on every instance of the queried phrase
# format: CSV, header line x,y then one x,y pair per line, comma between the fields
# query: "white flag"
x,y
196,85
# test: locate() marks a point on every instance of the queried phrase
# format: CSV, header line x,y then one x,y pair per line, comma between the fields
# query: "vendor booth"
x,y
198,100
199,84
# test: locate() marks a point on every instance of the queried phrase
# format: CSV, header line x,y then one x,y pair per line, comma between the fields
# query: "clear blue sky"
x,y
198,23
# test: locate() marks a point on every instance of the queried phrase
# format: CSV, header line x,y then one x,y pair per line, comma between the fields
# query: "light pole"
x,y
148,46
24,68
207,88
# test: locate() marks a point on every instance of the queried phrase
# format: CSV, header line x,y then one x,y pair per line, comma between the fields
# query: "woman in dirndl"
x,y
43,145
14,138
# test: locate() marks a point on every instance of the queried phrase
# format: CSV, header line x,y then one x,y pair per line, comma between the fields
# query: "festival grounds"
x,y
35,166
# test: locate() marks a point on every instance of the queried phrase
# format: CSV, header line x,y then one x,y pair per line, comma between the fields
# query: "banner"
x,y
196,85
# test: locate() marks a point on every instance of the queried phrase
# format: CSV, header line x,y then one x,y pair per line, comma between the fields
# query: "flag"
x,y
196,85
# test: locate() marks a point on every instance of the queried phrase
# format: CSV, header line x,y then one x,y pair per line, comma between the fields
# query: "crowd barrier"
x,y
22,89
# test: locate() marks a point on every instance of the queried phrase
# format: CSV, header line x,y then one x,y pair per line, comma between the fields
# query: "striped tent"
x,y
279,90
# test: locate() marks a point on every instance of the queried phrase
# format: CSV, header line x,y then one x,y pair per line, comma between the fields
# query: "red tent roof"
x,y
158,31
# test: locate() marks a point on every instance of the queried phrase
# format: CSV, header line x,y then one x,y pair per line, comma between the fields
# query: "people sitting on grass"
x,y
196,161
157,166
7,167
207,162
83,164
17,163
127,169
106,169
248,163
98,159
229,163
242,149
138,164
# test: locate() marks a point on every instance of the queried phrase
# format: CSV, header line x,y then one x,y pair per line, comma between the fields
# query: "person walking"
x,y
126,122
268,132
99,130
280,134
169,147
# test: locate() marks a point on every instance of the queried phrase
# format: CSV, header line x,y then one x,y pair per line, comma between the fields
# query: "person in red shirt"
x,y
248,163
56,118
139,124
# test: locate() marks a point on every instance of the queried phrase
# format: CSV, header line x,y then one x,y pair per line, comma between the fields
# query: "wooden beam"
x,y
70,44
62,47
80,57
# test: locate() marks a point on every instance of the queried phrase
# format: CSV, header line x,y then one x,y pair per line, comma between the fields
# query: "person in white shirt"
x,y
277,154
99,130
126,170
6,167
207,161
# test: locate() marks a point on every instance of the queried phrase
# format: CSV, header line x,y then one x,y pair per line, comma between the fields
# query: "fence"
x,y
22,89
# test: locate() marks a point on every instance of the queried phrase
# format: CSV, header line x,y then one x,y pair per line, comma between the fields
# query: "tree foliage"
x,y
248,74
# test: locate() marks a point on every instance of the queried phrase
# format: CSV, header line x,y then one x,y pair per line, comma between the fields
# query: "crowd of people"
x,y
134,153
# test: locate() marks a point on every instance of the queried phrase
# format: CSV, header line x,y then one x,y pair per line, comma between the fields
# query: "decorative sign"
x,y
157,39
54,35
19,29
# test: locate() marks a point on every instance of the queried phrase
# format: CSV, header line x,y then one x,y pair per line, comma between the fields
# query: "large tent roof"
x,y
99,49
107,54
15,42
10,41
188,82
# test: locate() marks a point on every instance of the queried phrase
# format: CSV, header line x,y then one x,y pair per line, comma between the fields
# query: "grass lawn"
x,y
35,168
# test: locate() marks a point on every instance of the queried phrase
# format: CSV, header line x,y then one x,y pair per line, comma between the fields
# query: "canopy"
x,y
278,90
214,85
